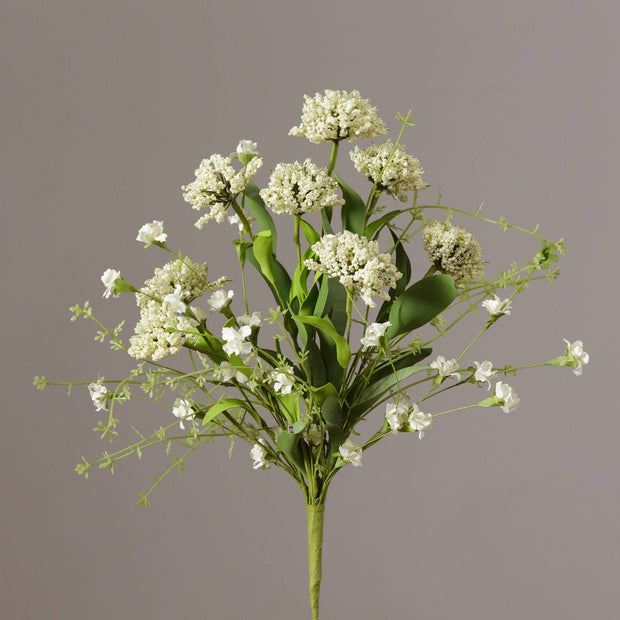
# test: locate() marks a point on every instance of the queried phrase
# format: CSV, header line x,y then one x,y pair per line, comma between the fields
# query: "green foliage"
x,y
255,204
325,326
353,211
420,303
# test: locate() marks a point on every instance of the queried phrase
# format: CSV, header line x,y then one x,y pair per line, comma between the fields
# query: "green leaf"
x,y
403,264
405,361
420,303
332,302
214,410
332,412
289,406
376,225
324,392
343,352
263,252
289,444
353,211
255,204
378,389
281,285
311,235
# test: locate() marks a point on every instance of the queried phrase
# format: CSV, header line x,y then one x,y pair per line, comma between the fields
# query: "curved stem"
x,y
332,158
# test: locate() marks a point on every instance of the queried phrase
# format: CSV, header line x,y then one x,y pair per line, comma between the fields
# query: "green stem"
x,y
316,513
332,157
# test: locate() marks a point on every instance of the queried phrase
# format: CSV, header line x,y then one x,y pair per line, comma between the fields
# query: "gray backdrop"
x,y
107,109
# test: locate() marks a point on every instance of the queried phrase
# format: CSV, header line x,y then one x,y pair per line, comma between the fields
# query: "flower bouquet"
x,y
355,332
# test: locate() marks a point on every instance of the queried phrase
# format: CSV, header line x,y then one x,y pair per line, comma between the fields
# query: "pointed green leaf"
x,y
214,410
255,204
289,444
353,211
376,225
311,235
421,303
343,352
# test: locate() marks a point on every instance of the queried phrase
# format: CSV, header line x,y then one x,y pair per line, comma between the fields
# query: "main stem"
x,y
316,513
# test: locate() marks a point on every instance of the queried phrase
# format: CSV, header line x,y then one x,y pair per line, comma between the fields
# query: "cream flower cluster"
x,y
300,188
159,332
401,412
217,185
357,263
338,115
453,250
403,173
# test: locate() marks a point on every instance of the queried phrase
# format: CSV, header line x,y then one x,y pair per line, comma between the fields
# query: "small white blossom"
x,y
109,281
577,354
300,188
154,231
258,454
357,263
420,421
507,397
402,173
235,340
315,435
253,320
99,394
484,372
373,334
396,413
173,300
352,452
219,299
454,251
283,381
497,306
338,115
248,147
227,372
446,368
183,410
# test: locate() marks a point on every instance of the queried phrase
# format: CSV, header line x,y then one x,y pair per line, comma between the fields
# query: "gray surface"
x,y
107,109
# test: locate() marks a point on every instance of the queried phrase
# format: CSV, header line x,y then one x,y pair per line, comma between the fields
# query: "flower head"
x,y
396,413
507,397
109,281
300,188
352,452
338,115
99,394
218,184
235,340
420,421
403,173
258,454
577,355
153,231
283,381
357,264
247,147
454,251
484,372
227,372
253,320
183,410
173,300
373,334
497,307
446,368
219,299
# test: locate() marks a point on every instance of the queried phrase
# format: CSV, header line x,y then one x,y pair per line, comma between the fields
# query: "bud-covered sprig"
x,y
453,251
357,263
300,188
338,115
218,184
390,169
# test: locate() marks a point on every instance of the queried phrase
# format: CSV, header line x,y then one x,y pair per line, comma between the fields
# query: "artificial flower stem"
x,y
431,270
246,224
332,157
316,513
296,237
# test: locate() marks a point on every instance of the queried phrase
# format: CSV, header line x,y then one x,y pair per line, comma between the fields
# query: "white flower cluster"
x,y
496,306
258,454
402,412
183,410
109,281
453,250
446,368
352,452
373,334
160,330
338,115
577,354
300,188
217,185
507,397
357,263
403,173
